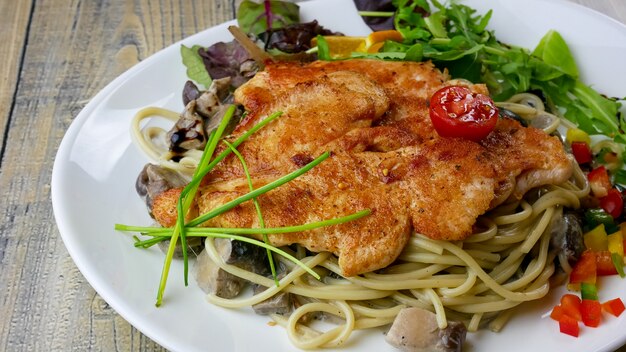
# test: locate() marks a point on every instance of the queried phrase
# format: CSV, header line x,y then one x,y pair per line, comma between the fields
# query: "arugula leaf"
x,y
256,18
195,66
553,51
602,109
455,37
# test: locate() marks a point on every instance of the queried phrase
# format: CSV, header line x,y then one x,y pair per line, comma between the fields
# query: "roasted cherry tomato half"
x,y
458,112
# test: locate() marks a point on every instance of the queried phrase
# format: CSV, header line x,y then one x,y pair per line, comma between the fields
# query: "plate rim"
x,y
64,150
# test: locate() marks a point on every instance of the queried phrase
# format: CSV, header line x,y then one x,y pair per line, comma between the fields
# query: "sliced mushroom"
x,y
203,113
280,303
154,180
508,114
213,122
212,279
567,235
194,246
190,92
416,330
188,132
209,102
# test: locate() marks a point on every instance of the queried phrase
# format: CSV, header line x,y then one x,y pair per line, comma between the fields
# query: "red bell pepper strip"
x,y
569,326
582,152
613,203
583,271
557,313
570,305
614,306
604,264
591,312
599,181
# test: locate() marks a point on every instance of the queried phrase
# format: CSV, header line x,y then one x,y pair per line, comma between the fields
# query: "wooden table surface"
x,y
56,55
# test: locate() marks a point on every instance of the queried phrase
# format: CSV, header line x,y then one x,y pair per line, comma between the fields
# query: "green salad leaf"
x,y
553,50
195,66
253,17
455,37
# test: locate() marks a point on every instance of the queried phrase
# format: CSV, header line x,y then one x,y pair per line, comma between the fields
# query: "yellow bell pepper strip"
x,y
615,242
577,135
618,264
616,248
596,239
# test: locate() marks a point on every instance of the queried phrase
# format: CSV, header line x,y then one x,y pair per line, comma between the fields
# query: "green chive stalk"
x,y
244,165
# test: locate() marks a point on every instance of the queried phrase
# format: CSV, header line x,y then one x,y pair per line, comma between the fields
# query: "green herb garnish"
x,y
195,66
184,203
206,164
455,37
244,165
165,232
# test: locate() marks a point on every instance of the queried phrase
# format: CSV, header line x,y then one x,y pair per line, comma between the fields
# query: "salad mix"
x,y
457,39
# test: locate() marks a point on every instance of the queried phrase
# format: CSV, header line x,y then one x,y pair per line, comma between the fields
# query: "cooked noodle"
x,y
479,281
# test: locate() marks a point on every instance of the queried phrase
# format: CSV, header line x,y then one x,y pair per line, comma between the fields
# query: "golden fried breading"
x,y
386,156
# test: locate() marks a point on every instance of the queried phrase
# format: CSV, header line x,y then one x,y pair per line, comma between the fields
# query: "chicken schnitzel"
x,y
385,156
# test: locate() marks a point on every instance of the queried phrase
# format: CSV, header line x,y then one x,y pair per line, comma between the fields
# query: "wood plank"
x,y
74,49
14,19
46,303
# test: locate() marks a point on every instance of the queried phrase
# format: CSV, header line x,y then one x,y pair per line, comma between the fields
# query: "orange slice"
x,y
381,36
341,47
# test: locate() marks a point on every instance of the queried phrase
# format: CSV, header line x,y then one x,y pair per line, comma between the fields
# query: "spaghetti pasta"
x,y
480,281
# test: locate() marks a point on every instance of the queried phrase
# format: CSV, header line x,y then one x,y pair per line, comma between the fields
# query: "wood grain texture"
x,y
55,56
14,21
74,49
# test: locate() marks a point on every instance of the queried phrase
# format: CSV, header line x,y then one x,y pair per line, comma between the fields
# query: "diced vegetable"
x,y
589,291
614,307
591,312
557,313
577,135
613,203
569,326
595,217
604,264
616,243
618,264
599,182
582,152
596,239
583,271
570,305
610,157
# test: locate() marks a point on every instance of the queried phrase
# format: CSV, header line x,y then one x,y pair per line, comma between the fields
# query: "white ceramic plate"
x,y
96,166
